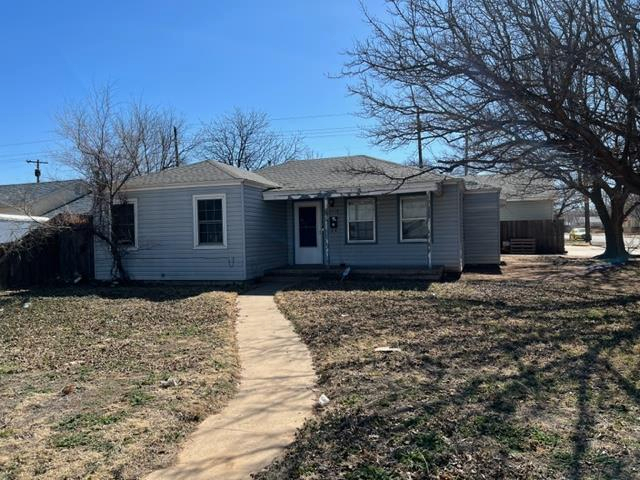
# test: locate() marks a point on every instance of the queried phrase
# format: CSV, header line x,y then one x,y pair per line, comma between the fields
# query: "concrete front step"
x,y
356,273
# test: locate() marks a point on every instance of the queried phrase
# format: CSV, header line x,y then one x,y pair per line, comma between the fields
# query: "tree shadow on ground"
x,y
514,379
152,292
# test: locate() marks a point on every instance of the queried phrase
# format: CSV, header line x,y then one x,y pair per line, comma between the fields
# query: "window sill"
x,y
360,242
209,247
421,240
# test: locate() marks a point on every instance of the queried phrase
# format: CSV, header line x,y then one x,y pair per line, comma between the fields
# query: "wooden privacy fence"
x,y
548,234
60,251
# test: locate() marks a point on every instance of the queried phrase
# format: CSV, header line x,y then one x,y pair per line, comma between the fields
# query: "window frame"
x,y
127,201
375,220
428,216
196,232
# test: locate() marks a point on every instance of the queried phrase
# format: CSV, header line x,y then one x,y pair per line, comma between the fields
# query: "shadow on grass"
x,y
148,292
476,369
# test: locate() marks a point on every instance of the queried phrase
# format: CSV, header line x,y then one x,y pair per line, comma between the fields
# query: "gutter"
x,y
374,190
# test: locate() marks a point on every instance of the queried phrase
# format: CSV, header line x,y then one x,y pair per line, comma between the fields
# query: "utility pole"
x,y
37,171
419,127
466,153
175,145
587,219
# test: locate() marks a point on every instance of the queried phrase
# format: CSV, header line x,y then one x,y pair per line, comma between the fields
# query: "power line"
x,y
312,133
283,133
320,130
26,143
29,154
301,131
277,119
333,135
302,117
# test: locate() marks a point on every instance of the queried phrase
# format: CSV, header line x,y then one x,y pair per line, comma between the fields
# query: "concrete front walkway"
x,y
274,398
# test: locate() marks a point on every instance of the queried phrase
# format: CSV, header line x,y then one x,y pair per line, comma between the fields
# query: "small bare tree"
x,y
107,143
246,140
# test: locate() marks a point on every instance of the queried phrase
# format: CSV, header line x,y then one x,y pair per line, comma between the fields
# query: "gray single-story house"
x,y
211,221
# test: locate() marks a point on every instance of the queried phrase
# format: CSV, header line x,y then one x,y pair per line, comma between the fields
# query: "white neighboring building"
x,y
44,199
27,205
14,227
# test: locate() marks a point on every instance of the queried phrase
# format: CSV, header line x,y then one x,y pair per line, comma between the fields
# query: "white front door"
x,y
308,232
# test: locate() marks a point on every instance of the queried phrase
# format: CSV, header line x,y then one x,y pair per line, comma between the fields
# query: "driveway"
x,y
598,243
632,241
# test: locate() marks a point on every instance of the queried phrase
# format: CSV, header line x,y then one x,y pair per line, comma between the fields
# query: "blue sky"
x,y
201,58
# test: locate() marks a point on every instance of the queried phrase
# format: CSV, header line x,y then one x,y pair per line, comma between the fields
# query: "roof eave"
x,y
372,190
174,185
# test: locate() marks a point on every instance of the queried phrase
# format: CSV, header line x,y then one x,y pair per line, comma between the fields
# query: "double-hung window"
x,y
209,221
413,218
361,220
124,219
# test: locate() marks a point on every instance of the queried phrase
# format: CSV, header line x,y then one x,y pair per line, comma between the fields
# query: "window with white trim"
x,y
361,220
413,218
209,221
124,219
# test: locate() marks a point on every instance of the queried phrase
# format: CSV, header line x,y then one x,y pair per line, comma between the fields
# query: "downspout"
x,y
325,228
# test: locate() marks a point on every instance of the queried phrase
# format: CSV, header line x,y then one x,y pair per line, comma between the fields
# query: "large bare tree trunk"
x,y
612,222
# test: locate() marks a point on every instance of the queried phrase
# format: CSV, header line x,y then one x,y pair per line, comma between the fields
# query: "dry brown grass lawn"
x,y
111,348
530,374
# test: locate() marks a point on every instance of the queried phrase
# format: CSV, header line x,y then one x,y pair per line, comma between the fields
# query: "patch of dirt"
x,y
106,382
531,373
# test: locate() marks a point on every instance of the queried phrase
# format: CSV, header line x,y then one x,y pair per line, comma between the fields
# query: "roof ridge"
x,y
223,166
342,157
389,162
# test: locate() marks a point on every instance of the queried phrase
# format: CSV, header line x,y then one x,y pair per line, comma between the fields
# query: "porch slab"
x,y
300,272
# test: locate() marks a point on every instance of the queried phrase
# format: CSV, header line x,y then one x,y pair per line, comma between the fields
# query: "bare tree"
x,y
159,144
107,143
246,140
549,85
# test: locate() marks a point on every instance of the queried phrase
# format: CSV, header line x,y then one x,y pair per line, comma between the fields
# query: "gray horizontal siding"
x,y
481,228
265,233
165,239
447,216
388,250
526,210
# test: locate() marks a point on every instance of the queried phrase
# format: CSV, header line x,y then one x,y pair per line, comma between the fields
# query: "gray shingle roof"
x,y
340,172
194,173
10,194
38,198
79,206
514,187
